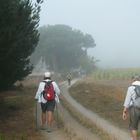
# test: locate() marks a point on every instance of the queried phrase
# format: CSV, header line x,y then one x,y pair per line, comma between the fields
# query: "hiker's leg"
x,y
43,114
134,121
68,81
49,118
50,110
43,118
134,134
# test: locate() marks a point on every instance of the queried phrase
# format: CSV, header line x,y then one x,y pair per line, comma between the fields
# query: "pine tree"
x,y
19,36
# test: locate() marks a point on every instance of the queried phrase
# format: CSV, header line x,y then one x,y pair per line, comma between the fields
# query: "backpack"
x,y
136,102
48,92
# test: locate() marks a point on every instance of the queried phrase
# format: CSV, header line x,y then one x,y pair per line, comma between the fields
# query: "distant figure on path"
x,y
132,106
69,77
47,104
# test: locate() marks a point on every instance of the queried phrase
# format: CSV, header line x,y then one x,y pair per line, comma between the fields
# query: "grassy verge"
x,y
103,97
17,121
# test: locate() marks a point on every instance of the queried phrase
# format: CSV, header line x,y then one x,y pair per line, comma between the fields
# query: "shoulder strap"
x,y
48,81
137,90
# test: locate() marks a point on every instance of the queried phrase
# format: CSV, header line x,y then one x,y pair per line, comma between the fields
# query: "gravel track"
x,y
76,131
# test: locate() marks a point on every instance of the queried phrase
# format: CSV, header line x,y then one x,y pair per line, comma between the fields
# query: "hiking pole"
x,y
57,120
36,116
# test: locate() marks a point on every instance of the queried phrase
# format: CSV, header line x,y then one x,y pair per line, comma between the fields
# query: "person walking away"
x,y
132,106
69,79
47,105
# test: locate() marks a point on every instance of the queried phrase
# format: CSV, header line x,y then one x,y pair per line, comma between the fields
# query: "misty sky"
x,y
114,24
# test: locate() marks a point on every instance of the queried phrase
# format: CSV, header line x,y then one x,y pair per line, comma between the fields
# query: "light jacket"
x,y
131,95
39,95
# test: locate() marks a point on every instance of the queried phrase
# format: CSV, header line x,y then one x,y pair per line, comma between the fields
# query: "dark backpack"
x,y
48,92
136,102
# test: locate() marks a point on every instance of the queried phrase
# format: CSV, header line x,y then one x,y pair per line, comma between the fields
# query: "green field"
x,y
120,74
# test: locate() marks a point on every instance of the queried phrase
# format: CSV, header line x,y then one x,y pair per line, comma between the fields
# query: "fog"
x,y
114,25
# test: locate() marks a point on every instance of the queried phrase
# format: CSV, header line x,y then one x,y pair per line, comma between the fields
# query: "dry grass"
x,y
17,119
104,97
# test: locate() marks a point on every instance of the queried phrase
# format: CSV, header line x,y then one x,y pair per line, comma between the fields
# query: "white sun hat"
x,y
47,74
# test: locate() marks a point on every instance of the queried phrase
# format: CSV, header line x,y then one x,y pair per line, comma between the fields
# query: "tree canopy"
x,y
63,48
18,38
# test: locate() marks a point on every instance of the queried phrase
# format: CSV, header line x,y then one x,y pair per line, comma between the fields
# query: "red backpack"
x,y
48,92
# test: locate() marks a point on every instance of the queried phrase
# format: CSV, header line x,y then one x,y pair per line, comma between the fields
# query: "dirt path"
x,y
116,133
71,130
75,130
57,134
71,125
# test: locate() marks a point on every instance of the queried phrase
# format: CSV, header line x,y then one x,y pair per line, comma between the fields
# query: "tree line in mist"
x,y
64,49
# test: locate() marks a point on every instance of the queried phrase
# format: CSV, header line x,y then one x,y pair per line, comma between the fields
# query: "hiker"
x,y
69,79
131,108
47,106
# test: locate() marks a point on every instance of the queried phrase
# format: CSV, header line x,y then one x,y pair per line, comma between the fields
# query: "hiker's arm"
x,y
125,110
61,97
127,103
39,90
56,88
125,113
128,97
